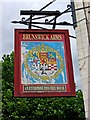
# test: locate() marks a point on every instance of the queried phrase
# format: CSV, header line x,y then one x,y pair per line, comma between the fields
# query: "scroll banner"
x,y
43,64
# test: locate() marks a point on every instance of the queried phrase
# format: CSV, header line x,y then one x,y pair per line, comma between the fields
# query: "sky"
x,y
10,11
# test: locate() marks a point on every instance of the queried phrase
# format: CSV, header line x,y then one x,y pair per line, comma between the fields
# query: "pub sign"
x,y
43,64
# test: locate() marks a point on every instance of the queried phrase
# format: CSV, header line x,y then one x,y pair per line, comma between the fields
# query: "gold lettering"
x,y
47,38
33,37
59,37
26,36
39,36
51,37
42,37
23,36
56,37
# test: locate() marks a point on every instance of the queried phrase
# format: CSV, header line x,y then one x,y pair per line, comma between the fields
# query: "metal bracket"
x,y
43,14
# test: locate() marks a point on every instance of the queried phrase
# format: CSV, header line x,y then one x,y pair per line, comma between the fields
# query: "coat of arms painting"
x,y
43,62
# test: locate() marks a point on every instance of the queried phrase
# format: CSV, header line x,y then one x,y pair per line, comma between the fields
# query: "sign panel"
x,y
43,65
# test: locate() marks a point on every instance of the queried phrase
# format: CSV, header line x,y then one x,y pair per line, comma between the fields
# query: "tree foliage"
x,y
55,108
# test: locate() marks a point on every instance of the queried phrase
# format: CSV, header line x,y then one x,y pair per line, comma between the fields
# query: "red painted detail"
x,y
19,87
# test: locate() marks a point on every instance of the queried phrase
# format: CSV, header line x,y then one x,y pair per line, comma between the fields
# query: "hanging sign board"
x,y
42,64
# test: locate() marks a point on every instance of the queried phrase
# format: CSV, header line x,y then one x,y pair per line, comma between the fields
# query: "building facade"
x,y
82,29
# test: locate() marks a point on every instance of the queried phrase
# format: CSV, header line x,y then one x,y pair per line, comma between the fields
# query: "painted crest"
x,y
43,62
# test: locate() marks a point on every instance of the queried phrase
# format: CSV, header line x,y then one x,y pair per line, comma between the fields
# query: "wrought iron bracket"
x,y
50,17
42,14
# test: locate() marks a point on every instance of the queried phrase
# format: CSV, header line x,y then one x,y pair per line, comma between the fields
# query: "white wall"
x,y
83,48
